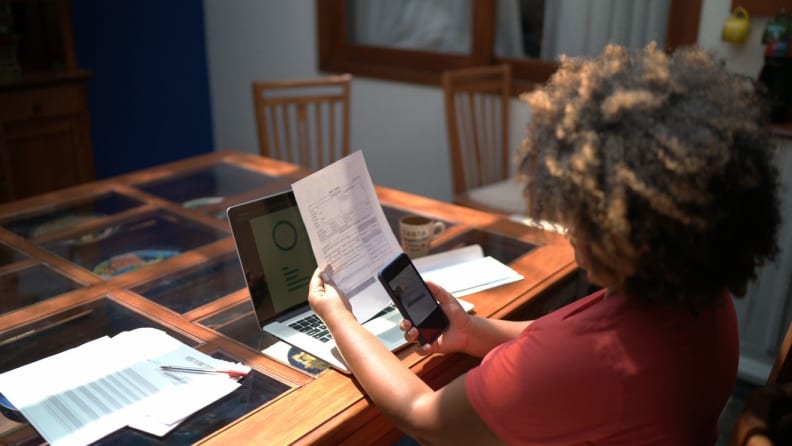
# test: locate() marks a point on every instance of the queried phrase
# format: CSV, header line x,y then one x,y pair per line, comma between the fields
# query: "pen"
x,y
231,373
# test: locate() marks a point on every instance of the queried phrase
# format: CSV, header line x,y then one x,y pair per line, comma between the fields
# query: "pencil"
x,y
231,373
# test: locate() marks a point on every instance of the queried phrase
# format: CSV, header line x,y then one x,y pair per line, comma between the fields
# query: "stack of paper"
x,y
465,270
83,394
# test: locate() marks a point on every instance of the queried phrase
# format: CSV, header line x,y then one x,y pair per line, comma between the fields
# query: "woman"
x,y
660,169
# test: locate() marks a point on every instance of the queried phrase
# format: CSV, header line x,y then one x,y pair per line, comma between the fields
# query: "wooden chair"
x,y
477,102
766,418
304,121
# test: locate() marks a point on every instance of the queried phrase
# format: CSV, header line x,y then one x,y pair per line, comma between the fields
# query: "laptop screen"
x,y
275,253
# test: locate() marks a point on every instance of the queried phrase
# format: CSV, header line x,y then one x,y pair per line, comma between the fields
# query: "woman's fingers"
x,y
405,325
410,332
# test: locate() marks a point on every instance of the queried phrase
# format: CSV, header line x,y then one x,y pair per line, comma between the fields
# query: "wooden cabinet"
x,y
45,141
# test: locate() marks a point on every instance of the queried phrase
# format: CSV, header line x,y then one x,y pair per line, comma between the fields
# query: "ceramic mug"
x,y
737,27
416,234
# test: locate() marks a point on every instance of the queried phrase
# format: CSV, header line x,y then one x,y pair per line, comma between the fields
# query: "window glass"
x,y
542,29
417,40
427,25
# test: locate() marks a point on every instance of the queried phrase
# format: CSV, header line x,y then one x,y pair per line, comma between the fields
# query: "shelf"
x,y
762,7
41,78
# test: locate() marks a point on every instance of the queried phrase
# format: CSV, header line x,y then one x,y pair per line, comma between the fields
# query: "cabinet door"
x,y
47,154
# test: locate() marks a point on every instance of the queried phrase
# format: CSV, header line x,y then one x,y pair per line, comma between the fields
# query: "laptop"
x,y
277,260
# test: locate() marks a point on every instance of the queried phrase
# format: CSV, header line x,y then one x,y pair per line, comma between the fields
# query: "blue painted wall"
x,y
149,95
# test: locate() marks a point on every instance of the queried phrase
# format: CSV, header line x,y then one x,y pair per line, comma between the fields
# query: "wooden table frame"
x,y
329,409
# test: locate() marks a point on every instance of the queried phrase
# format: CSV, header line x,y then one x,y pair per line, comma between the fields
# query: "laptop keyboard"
x,y
314,327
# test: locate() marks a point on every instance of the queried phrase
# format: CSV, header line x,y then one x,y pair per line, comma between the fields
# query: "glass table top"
x,y
393,215
505,249
255,390
70,214
189,289
106,317
9,255
239,323
71,328
30,285
140,241
210,185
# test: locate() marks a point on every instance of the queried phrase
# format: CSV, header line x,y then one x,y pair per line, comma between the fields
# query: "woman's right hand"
x,y
455,337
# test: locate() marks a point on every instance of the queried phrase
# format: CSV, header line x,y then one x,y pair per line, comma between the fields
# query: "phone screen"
x,y
413,298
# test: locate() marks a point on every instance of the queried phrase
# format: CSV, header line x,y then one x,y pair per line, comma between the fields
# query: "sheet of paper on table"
x,y
465,270
83,394
348,230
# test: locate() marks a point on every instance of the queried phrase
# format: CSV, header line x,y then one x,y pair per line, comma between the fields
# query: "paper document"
x,y
83,394
465,270
348,231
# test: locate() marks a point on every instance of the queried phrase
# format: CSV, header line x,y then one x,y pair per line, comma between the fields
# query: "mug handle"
x,y
741,13
438,228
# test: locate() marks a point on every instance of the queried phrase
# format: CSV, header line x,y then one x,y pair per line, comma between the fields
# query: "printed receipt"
x,y
348,231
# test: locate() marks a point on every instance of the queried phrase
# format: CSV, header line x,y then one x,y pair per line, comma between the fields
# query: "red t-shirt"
x,y
611,370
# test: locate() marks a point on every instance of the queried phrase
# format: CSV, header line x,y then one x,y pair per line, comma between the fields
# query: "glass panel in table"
x,y
30,285
503,248
393,215
189,289
240,324
210,185
132,244
69,214
9,255
105,317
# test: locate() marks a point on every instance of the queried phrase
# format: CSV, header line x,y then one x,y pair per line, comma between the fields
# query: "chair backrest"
x,y
477,119
766,418
304,121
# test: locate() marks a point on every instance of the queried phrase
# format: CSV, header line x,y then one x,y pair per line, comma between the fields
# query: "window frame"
x,y
336,54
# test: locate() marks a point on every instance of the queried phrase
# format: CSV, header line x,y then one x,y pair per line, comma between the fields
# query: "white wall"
x,y
400,127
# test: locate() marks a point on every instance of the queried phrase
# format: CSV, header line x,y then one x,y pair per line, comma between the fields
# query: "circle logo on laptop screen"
x,y
284,235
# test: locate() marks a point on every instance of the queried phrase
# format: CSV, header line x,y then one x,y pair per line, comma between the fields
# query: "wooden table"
x,y
79,239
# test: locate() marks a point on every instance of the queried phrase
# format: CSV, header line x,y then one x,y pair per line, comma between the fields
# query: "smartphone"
x,y
413,298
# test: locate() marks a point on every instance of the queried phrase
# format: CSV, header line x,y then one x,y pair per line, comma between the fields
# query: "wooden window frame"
x,y
336,54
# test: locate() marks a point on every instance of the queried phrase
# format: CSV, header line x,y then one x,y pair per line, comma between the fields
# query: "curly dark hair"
x,y
660,165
